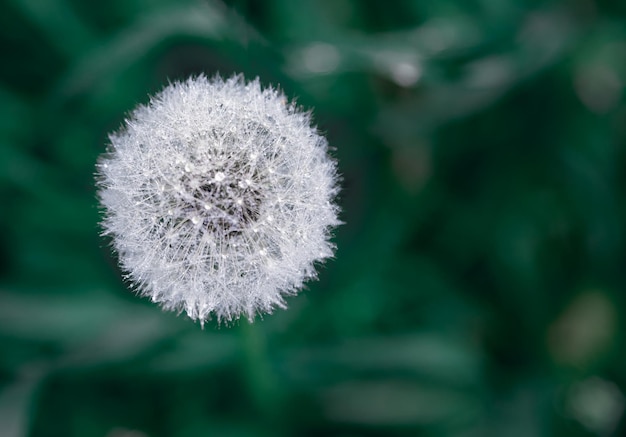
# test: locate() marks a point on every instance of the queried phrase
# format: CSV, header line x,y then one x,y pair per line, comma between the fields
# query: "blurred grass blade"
x,y
60,23
16,404
131,45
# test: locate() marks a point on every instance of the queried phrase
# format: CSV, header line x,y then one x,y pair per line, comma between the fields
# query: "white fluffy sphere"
x,y
219,198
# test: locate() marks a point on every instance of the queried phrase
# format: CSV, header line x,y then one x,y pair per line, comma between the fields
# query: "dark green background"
x,y
478,286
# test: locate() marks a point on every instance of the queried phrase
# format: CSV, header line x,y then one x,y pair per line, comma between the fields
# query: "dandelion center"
x,y
227,204
215,187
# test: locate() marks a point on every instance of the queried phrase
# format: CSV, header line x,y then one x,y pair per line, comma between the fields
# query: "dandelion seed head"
x,y
219,198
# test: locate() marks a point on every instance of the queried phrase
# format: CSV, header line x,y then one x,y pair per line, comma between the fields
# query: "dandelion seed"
x,y
188,188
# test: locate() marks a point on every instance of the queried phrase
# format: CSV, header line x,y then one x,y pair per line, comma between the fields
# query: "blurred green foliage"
x,y
478,287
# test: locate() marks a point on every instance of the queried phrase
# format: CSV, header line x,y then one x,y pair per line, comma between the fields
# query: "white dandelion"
x,y
219,198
